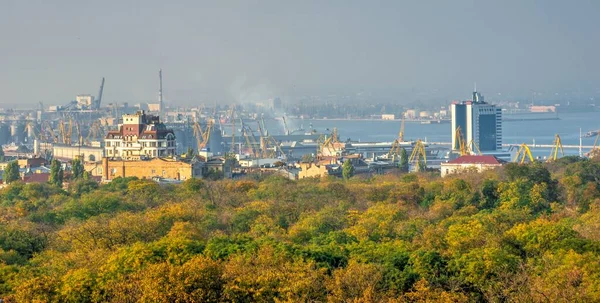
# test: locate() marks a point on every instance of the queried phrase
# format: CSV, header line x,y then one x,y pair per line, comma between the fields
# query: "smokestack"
x,y
160,94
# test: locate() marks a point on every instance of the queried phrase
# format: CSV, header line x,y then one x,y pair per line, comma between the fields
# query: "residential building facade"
x,y
140,136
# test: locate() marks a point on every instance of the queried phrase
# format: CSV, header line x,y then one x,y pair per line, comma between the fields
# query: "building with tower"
x,y
140,136
480,124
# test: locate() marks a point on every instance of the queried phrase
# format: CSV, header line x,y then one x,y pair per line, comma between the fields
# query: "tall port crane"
x,y
46,129
250,141
285,126
418,156
465,149
66,131
556,146
98,100
523,154
330,143
394,151
94,132
460,142
32,126
202,136
78,133
595,151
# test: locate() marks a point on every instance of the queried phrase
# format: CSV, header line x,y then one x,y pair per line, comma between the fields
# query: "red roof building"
x,y
37,178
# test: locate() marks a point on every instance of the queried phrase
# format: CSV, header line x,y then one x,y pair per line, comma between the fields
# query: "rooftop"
x,y
477,159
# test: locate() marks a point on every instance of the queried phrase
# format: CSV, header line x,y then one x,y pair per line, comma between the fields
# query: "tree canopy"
x,y
11,172
520,234
56,173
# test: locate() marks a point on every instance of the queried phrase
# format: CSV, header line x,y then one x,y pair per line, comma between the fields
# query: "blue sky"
x,y
223,51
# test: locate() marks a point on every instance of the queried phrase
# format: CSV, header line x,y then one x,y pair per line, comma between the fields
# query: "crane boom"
x,y
555,148
99,98
401,133
523,154
418,155
285,126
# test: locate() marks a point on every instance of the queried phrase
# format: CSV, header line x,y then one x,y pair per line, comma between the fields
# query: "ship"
x,y
592,133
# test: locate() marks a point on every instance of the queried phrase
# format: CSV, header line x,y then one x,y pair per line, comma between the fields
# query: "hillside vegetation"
x,y
520,234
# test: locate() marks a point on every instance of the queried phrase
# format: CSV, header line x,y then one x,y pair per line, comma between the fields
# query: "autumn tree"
x,y
11,172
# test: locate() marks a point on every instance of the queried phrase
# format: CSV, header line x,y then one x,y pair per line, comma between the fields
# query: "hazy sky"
x,y
242,50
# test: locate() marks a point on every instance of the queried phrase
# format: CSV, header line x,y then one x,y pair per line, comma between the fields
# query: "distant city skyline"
x,y
243,51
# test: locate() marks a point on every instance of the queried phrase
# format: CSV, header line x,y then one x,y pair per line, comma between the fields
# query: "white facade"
x,y
140,136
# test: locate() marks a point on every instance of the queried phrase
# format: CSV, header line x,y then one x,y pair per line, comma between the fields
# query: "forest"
x,y
522,233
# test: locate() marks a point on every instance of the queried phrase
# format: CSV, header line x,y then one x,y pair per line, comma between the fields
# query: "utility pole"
x,y
580,144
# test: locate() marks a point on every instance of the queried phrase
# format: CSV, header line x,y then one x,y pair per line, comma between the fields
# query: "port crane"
x,y
98,100
31,126
465,149
460,142
418,156
330,143
46,129
285,126
595,151
523,154
250,141
66,131
556,146
202,136
94,132
396,145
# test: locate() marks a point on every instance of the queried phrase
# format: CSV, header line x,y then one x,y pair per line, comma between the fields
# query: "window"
x,y
153,171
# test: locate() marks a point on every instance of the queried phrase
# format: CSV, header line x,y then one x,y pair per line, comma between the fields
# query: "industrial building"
x,y
68,152
480,124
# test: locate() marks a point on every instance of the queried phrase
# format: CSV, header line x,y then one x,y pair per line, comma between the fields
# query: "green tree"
x,y
189,153
56,173
347,170
308,158
421,166
77,169
489,193
11,172
403,160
